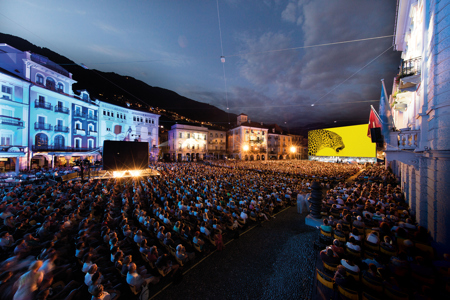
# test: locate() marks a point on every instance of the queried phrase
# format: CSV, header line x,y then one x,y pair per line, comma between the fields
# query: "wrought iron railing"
x,y
6,120
410,67
43,126
42,104
61,128
62,109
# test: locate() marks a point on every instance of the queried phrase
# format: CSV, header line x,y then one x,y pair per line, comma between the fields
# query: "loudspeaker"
x,y
375,134
122,156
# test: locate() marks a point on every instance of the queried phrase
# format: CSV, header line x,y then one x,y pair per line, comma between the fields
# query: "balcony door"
x,y
59,142
41,140
41,121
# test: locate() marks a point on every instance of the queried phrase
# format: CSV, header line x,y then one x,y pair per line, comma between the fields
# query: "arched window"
x,y
50,83
60,87
59,142
41,140
39,79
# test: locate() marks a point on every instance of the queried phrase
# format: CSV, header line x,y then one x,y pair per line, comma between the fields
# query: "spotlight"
x,y
118,174
135,173
312,104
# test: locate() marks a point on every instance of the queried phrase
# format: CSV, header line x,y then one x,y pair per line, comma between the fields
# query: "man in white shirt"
x,y
136,280
301,201
244,216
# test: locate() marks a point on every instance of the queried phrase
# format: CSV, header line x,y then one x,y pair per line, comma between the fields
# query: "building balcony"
x,y
61,148
43,126
78,114
43,104
410,67
79,131
60,128
92,117
16,122
92,132
62,109
408,139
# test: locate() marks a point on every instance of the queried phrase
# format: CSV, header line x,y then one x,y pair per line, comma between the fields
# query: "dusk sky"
x,y
176,45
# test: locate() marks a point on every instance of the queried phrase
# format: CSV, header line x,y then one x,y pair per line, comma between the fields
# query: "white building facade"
x,y
419,150
217,144
119,123
187,143
14,125
247,141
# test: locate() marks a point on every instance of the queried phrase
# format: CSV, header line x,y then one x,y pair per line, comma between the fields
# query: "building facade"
x,y
247,141
43,123
217,144
14,125
119,123
419,149
187,143
279,144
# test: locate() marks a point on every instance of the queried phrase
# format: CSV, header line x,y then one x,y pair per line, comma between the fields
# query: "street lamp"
x,y
293,150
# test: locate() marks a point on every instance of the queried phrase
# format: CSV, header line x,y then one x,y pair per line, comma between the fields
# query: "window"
x,y
181,135
6,140
104,112
217,135
41,140
40,79
109,114
141,120
60,104
60,123
211,135
78,126
112,114
41,120
60,87
77,143
41,100
179,146
134,118
85,96
221,135
188,135
78,110
91,114
59,142
7,112
6,92
91,127
50,83
90,143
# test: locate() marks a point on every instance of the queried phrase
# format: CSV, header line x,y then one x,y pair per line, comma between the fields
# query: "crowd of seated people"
x,y
119,235
373,245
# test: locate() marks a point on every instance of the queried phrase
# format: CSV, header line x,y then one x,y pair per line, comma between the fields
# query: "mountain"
x,y
110,87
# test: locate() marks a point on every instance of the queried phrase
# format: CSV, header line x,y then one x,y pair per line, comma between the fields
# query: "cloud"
x,y
110,51
297,78
108,28
293,13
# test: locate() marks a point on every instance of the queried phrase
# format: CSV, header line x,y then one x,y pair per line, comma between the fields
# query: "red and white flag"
x,y
374,120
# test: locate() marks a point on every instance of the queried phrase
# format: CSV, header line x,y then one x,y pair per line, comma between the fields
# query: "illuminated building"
x,y
217,144
187,143
247,141
418,151
279,144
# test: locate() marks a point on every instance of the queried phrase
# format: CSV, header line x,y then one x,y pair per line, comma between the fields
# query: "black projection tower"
x,y
123,156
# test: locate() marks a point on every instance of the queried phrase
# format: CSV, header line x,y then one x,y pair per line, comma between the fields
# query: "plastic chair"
x,y
394,294
348,293
353,253
366,296
330,267
325,280
372,284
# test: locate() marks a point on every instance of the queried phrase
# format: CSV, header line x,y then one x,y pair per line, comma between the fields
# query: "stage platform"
x,y
102,174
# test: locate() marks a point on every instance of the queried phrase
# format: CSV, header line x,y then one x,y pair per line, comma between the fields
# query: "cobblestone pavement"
x,y
276,261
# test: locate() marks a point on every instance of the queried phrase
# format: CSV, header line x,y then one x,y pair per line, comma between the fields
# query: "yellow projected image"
x,y
348,141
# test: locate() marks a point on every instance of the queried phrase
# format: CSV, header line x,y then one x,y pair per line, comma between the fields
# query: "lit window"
x,y
40,79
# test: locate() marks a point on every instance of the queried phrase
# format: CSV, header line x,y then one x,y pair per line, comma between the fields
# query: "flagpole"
x,y
376,114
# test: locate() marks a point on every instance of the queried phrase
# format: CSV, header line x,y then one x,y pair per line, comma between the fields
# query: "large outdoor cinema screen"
x,y
348,141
